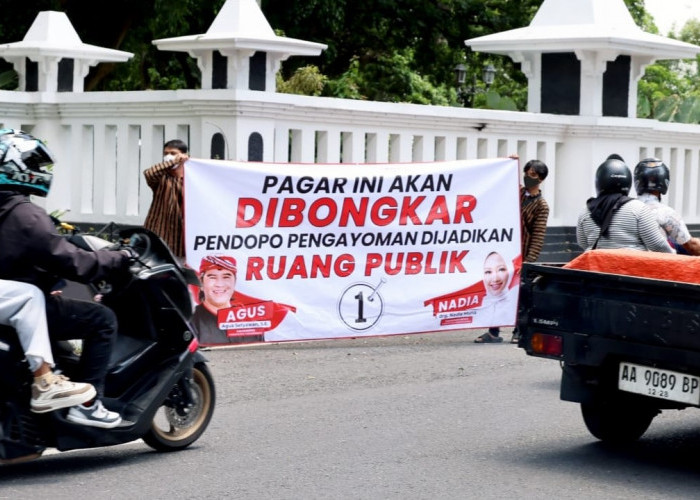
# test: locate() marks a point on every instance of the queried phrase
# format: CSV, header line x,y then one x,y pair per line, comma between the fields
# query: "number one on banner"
x,y
360,302
360,308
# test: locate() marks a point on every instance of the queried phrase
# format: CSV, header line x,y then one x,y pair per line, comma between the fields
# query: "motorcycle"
x,y
158,380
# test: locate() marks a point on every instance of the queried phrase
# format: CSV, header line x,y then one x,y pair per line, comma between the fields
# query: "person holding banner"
x,y
165,215
534,212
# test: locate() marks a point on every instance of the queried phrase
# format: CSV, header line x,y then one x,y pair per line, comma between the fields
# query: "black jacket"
x,y
31,250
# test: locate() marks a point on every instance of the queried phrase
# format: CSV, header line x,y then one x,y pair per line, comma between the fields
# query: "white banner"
x,y
328,251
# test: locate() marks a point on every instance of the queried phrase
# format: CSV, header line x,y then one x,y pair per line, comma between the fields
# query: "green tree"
x,y
305,81
385,50
128,25
400,50
641,17
670,90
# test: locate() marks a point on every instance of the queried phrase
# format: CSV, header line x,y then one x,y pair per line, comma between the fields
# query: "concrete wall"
x,y
104,141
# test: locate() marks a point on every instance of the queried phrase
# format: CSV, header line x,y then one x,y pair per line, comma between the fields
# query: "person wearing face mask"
x,y
165,215
534,213
534,210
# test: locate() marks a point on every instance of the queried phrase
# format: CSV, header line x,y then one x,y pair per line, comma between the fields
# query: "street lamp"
x,y
466,94
489,75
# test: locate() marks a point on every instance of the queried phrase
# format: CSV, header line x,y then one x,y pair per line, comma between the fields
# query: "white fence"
x,y
104,140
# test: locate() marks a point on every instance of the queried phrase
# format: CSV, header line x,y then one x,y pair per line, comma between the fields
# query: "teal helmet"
x,y
26,163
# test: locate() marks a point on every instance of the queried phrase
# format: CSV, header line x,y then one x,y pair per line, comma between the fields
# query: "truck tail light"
x,y
546,344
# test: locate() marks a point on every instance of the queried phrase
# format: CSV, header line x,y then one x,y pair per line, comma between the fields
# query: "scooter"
x,y
158,380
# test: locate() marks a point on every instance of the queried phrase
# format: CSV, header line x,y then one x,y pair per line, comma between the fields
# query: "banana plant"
x,y
496,101
678,109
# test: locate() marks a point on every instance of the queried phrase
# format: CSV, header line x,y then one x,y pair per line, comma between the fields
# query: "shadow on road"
x,y
666,457
79,462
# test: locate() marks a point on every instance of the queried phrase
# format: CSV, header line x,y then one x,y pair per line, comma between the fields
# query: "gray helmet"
x,y
26,163
651,174
613,176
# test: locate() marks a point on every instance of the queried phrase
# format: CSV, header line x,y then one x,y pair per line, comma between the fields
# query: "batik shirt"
x,y
669,220
165,216
534,212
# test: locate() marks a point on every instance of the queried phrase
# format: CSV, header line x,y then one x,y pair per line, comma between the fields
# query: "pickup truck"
x,y
628,345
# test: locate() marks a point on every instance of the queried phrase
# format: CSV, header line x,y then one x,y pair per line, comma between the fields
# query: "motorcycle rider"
x,y
651,180
613,220
22,307
32,251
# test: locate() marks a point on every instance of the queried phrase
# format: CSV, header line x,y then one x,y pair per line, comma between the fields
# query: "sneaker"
x,y
54,392
516,337
95,416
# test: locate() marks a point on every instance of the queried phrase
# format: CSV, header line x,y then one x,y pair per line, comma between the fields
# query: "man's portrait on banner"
x,y
223,315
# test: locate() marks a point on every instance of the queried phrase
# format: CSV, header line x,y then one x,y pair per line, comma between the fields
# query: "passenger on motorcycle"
x,y
32,251
22,307
651,180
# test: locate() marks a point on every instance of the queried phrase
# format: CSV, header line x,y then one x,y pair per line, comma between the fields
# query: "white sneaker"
x,y
54,392
95,416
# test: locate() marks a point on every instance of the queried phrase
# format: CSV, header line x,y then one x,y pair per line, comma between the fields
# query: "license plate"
x,y
658,383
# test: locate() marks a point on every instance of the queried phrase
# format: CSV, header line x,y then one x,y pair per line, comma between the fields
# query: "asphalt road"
x,y
403,417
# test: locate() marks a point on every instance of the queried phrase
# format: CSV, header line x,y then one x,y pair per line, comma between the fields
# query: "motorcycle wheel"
x,y
171,431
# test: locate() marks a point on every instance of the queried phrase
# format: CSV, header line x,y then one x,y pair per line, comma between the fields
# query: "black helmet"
x,y
613,176
651,174
25,163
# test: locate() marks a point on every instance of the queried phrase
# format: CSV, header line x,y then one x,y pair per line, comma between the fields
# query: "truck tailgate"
x,y
610,308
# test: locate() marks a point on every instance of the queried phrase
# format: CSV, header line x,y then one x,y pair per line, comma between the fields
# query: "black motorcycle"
x,y
158,380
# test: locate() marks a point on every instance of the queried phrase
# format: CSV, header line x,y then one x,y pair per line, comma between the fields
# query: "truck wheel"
x,y
615,422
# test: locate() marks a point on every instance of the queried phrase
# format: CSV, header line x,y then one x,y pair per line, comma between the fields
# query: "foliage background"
x,y
382,50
